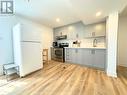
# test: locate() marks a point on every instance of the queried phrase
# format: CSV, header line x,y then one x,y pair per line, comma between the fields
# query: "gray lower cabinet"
x,y
73,55
88,57
99,58
68,55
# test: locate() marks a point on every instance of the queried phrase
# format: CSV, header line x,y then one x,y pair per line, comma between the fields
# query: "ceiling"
x,y
69,11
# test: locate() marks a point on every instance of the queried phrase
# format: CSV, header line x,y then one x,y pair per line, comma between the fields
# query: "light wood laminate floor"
x,y
67,79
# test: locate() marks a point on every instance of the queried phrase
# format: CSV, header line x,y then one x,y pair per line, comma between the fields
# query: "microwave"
x,y
55,44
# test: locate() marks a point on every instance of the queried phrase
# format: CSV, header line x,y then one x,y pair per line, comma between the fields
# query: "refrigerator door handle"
x,y
31,41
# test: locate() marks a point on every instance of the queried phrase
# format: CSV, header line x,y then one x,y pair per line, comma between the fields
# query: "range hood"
x,y
61,37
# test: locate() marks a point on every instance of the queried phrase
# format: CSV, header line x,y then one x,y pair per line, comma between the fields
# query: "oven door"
x,y
58,52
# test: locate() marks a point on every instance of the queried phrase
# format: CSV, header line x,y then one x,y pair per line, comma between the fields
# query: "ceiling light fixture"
x,y
57,20
98,14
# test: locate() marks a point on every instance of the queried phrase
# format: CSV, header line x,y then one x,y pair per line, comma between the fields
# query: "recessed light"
x,y
98,14
57,20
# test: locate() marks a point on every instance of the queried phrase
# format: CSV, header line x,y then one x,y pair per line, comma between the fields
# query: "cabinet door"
x,y
95,30
79,56
60,31
99,59
68,55
79,33
76,31
74,55
88,31
56,32
87,59
100,29
71,35
71,32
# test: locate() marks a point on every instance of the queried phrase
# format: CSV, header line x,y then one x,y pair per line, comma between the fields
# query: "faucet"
x,y
95,43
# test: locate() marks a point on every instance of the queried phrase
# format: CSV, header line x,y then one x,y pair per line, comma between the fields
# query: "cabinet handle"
x,y
61,33
77,35
76,50
93,34
92,51
67,52
67,58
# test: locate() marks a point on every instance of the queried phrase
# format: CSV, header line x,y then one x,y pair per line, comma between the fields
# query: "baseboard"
x,y
112,74
123,65
22,76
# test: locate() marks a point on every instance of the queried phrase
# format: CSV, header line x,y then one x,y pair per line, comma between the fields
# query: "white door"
x,y
31,57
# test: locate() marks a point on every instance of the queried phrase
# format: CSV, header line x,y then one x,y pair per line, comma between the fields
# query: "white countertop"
x,y
87,47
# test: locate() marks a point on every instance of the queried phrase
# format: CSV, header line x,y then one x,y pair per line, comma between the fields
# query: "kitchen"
x,y
90,47
63,47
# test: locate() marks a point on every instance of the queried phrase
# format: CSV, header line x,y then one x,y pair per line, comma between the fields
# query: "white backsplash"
x,y
86,42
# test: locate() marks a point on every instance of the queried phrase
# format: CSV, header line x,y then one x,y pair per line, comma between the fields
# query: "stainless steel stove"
x,y
57,52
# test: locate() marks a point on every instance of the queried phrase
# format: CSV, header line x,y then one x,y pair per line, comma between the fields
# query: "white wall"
x,y
122,42
111,35
47,38
6,53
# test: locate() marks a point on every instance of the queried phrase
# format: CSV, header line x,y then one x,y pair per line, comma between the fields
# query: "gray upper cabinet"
x,y
80,31
59,32
73,31
95,30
